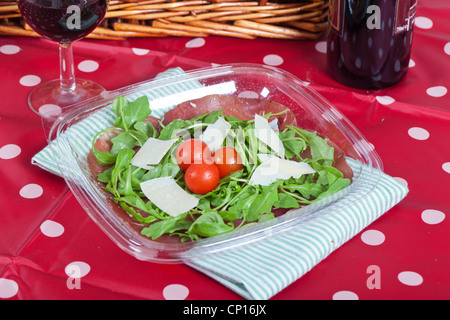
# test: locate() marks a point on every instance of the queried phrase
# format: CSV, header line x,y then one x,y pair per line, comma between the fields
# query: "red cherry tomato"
x,y
192,151
227,161
202,178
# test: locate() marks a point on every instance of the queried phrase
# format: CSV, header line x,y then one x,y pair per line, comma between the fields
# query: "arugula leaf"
x,y
105,176
212,117
266,217
307,190
336,186
103,157
327,174
169,131
128,113
320,149
137,215
264,202
119,104
137,110
123,140
209,224
146,128
162,170
122,163
293,145
125,186
170,170
241,207
157,229
137,202
286,201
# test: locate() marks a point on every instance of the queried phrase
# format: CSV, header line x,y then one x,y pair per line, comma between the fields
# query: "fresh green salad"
x,y
226,188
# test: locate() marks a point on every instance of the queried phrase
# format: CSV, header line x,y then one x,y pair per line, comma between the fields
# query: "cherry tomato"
x,y
192,151
202,178
227,160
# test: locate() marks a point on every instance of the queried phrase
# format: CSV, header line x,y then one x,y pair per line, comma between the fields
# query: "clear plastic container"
x,y
313,112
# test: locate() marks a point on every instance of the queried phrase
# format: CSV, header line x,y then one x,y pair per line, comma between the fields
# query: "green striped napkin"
x,y
260,269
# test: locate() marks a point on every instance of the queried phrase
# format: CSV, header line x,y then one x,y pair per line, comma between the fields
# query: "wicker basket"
x,y
305,20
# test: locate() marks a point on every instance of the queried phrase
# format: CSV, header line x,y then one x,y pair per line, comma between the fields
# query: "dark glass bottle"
x,y
369,41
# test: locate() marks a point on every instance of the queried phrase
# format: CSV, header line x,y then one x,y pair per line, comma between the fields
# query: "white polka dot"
x,y
424,23
447,48
373,237
321,46
175,292
51,228
410,278
77,269
140,52
412,63
386,100
8,288
273,60
248,94
446,167
195,43
345,295
418,133
437,92
431,216
50,110
9,151
9,49
88,66
402,181
31,191
29,80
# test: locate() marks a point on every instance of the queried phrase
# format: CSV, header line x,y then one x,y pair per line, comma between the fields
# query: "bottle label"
x,y
405,15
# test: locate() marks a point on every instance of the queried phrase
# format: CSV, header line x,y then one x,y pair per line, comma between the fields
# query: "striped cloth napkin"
x,y
261,269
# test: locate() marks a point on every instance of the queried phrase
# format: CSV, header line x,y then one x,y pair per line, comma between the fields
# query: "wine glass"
x,y
63,21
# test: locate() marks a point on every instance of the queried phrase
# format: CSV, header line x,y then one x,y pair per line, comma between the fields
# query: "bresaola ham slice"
x,y
231,106
242,108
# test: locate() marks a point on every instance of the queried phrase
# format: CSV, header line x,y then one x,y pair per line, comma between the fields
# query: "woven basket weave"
x,y
305,20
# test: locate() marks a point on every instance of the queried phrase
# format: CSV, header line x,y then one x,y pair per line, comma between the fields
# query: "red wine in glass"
x,y
63,21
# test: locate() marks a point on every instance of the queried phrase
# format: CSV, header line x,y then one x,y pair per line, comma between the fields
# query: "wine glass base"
x,y
48,99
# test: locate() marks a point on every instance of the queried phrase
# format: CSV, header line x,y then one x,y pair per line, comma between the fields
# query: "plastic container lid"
x,y
312,111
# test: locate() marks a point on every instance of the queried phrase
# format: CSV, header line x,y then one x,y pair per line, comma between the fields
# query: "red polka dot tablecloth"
x,y
45,235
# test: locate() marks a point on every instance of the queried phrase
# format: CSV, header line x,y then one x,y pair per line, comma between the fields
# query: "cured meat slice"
x,y
242,108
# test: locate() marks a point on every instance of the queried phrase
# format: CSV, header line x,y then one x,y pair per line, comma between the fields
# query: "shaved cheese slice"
x,y
264,156
274,124
168,196
273,168
215,134
268,136
151,153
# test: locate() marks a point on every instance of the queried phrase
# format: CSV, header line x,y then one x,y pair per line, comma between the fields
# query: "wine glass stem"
x,y
66,65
